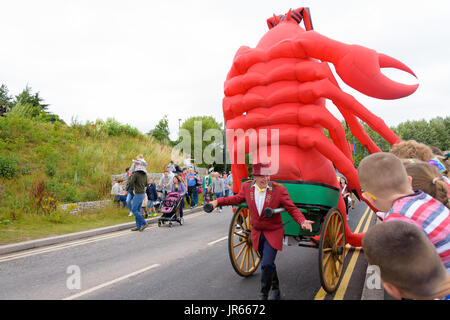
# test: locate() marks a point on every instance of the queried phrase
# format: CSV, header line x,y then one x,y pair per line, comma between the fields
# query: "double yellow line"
x,y
340,292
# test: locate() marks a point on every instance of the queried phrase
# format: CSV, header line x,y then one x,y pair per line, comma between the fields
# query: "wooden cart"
x,y
318,202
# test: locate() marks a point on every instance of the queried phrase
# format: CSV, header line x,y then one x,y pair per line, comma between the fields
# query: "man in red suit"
x,y
267,233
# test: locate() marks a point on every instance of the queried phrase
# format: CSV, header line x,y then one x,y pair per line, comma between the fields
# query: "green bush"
x,y
50,169
8,167
115,128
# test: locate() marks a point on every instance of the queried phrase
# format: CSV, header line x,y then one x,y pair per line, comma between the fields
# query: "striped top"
x,y
429,214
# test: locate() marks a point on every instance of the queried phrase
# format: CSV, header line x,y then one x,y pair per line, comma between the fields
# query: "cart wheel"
x,y
170,224
244,259
332,250
159,223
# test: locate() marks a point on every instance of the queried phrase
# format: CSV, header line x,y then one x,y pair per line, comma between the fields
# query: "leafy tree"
x,y
435,132
161,131
5,99
27,98
208,130
27,104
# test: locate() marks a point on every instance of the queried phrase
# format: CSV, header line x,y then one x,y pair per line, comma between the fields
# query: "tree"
x,y
161,131
207,134
27,104
27,98
5,99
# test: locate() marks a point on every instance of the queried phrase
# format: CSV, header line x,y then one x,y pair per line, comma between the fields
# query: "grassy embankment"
x,y
45,164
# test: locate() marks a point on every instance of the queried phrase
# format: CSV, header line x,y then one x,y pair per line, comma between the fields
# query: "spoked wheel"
x,y
332,250
244,259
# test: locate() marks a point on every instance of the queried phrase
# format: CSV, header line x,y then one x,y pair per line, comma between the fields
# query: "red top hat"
x,y
261,169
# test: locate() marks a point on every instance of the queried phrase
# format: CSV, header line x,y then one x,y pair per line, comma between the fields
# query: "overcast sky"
x,y
138,60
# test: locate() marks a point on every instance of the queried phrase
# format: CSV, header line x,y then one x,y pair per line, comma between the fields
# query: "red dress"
x,y
276,197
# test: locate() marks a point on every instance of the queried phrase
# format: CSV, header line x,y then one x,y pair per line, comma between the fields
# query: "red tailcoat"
x,y
276,197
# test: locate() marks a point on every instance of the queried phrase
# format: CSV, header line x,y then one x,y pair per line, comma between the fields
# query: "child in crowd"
x,y
427,178
409,265
152,195
411,149
144,210
345,193
414,150
387,187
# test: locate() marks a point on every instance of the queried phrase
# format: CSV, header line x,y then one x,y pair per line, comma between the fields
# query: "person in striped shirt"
x,y
387,187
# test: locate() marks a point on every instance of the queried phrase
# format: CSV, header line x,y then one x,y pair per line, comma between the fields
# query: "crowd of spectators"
x,y
410,188
196,190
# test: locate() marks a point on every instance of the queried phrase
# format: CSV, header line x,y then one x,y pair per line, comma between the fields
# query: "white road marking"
x,y
70,244
110,282
218,240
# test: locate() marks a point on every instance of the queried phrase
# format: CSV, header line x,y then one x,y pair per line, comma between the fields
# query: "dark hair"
x,y
178,178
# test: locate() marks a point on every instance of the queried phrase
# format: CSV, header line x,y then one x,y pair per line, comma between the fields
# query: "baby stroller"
x,y
169,207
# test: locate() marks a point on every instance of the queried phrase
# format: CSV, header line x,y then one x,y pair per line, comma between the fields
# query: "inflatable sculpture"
x,y
283,84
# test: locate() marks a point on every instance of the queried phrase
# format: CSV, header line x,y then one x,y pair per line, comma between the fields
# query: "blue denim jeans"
x,y
129,199
217,196
136,209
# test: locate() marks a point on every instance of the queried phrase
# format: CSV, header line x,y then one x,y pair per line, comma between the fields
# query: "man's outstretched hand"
x,y
307,225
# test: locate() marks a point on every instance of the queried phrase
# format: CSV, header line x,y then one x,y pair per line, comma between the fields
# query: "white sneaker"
x,y
131,213
220,210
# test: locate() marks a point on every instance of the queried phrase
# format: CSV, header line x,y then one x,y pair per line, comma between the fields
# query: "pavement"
x,y
33,244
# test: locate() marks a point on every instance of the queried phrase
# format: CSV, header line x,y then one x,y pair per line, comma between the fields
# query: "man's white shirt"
x,y
259,199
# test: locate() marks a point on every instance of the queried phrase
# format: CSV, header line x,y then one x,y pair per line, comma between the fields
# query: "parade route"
x,y
182,262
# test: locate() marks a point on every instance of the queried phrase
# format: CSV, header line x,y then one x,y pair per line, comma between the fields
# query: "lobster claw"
x,y
360,67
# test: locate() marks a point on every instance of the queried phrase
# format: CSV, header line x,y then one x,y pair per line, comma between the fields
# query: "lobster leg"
x,y
303,115
359,67
324,88
307,139
307,92
302,71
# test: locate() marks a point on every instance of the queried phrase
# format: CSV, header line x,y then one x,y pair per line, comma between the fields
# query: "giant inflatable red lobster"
x,y
283,84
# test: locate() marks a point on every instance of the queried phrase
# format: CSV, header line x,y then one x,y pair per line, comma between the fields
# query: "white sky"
x,y
138,60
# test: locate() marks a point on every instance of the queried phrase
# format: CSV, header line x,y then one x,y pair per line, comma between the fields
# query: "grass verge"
x,y
32,227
